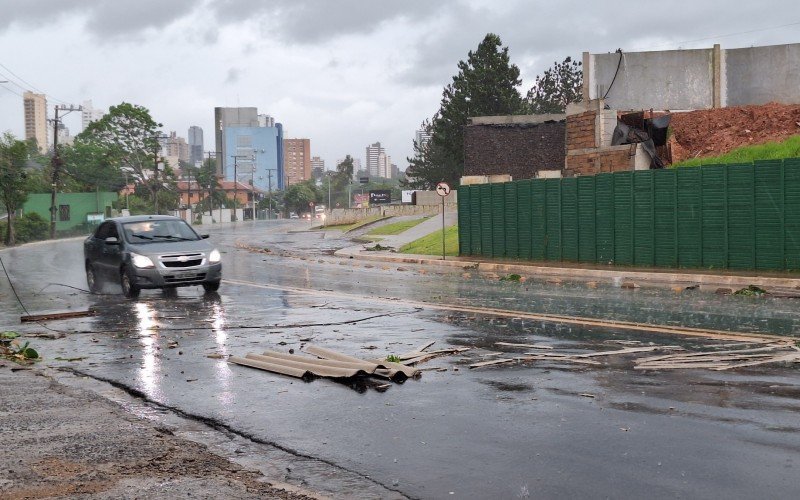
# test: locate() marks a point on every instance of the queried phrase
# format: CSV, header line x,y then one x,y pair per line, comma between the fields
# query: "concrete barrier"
x,y
353,215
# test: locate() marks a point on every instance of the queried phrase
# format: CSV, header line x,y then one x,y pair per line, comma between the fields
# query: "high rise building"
x,y
374,152
317,167
195,145
422,137
247,151
384,165
36,119
266,121
297,160
177,147
89,114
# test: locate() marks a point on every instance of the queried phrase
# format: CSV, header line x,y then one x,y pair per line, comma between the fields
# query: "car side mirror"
x,y
204,236
111,240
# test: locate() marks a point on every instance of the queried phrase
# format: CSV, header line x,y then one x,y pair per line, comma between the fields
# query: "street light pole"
x,y
235,182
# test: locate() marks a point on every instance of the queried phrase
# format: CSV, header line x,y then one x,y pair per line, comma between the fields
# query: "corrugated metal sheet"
x,y
486,219
539,223
604,203
587,241
474,220
644,237
524,218
464,246
511,220
769,214
791,206
741,217
623,218
569,219
689,213
714,214
498,220
553,218
665,226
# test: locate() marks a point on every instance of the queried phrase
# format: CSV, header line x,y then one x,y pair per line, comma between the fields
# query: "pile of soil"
x,y
713,132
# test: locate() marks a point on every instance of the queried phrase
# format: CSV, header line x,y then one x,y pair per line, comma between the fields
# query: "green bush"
x,y
28,227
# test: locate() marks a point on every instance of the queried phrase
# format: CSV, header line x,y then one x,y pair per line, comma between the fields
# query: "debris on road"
x,y
723,360
528,346
57,315
751,291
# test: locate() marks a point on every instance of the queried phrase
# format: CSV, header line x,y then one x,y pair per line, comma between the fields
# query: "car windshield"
x,y
158,230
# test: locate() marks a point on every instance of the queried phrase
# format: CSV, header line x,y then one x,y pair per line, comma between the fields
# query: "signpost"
x,y
443,189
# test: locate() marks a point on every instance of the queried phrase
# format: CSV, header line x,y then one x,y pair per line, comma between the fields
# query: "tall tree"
x,y
558,86
486,84
91,166
129,136
207,180
13,179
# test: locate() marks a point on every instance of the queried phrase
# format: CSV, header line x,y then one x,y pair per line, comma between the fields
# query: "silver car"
x,y
150,251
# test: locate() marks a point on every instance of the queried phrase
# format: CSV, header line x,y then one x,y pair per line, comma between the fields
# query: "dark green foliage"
x,y
558,86
485,85
13,180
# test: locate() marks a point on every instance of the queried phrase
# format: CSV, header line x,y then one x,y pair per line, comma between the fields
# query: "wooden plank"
x,y
777,359
527,346
714,353
533,356
679,366
492,362
629,350
57,315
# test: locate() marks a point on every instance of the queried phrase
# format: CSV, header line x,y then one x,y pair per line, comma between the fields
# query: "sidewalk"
x,y
63,441
580,271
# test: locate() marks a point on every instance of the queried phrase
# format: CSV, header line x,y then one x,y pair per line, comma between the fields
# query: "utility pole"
x,y
211,185
56,163
235,181
269,206
155,171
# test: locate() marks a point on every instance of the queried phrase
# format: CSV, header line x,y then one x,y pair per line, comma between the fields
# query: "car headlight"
x,y
214,256
141,261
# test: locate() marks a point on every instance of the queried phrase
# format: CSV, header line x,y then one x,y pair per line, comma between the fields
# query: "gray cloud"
x,y
104,19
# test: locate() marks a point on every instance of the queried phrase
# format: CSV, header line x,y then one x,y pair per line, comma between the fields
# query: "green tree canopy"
x,y
13,179
127,137
297,196
558,86
486,85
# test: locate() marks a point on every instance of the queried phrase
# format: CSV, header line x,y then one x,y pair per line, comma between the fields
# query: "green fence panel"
x,y
665,226
604,203
643,218
689,217
524,219
570,226
623,218
741,217
769,214
539,223
587,240
553,224
464,246
486,219
475,220
512,227
498,220
791,213
714,214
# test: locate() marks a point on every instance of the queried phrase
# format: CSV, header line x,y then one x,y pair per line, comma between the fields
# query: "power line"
x,y
674,44
30,86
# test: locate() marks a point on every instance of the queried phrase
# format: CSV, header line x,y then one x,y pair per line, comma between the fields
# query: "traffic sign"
x,y
443,189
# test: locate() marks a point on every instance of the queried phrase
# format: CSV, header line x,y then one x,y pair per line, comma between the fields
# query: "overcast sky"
x,y
344,73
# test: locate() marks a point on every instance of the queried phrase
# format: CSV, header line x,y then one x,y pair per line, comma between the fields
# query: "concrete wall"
x,y
431,198
674,79
353,215
695,79
80,205
759,75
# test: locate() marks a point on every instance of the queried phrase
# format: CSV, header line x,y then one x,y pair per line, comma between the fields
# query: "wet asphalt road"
x,y
510,431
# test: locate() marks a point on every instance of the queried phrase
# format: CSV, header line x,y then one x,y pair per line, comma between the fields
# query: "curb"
x,y
668,277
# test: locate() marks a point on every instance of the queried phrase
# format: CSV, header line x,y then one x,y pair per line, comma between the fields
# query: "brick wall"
x,y
581,130
596,161
516,149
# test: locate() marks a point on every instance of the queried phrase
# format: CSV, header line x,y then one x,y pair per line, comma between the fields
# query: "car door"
x,y
108,256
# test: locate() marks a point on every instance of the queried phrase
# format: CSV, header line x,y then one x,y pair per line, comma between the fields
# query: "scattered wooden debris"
x,y
527,346
492,362
723,360
57,315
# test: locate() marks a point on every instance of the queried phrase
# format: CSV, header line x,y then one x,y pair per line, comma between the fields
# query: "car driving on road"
x,y
150,251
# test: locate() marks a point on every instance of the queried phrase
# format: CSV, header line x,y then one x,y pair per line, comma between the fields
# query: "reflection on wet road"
x,y
542,429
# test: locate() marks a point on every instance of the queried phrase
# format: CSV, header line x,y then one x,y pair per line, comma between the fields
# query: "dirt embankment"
x,y
713,132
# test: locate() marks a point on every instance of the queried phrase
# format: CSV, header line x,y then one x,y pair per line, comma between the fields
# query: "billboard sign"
x,y
380,196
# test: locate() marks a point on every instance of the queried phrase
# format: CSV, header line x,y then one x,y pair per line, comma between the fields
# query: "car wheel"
x,y
211,287
92,279
129,288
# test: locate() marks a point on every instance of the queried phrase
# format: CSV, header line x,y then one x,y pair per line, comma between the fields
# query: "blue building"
x,y
250,147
